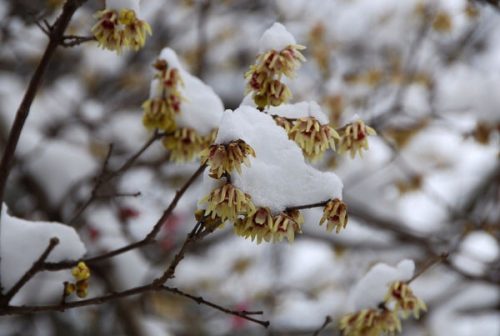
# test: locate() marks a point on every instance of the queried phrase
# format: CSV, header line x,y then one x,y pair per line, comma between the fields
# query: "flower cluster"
x,y
227,203
312,137
335,214
384,319
81,273
120,29
370,322
264,77
159,112
184,144
354,138
263,226
404,300
224,158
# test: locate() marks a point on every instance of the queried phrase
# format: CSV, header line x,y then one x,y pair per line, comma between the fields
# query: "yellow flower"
x,y
160,112
82,288
405,301
227,203
256,226
224,158
354,138
118,30
335,214
283,122
81,271
287,224
184,144
370,322
312,137
158,115
264,77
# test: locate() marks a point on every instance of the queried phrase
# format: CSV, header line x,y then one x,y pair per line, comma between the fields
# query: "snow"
x,y
278,177
300,110
276,38
201,108
23,241
57,166
481,246
371,289
121,4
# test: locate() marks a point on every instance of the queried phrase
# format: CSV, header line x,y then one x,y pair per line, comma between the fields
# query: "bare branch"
x,y
200,300
31,272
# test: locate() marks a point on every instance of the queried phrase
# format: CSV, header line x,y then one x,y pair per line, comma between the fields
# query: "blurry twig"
x,y
30,273
105,176
328,320
150,238
74,40
55,37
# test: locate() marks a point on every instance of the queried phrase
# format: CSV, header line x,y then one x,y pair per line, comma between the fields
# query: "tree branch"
x,y
30,273
200,300
56,33
150,238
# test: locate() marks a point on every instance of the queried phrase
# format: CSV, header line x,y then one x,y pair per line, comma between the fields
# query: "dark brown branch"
x,y
328,320
56,34
69,41
428,265
31,272
307,206
200,300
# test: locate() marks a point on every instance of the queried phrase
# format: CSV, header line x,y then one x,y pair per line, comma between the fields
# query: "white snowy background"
x,y
428,184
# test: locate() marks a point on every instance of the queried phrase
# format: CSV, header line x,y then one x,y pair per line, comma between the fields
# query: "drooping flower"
x,y
160,110
405,301
184,144
256,226
120,29
370,322
287,224
312,137
227,203
354,138
225,158
264,77
335,215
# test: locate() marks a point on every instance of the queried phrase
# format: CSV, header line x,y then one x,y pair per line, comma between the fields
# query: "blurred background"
x,y
424,74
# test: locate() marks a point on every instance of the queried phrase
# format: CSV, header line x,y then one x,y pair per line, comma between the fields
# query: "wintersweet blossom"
x,y
405,301
120,29
225,158
264,77
160,110
370,322
227,203
81,273
312,137
354,138
185,144
287,224
256,226
335,215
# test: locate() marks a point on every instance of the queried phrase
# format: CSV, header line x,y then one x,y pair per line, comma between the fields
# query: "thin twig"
x,y
69,41
105,177
307,206
428,265
56,33
200,300
150,238
328,320
31,272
